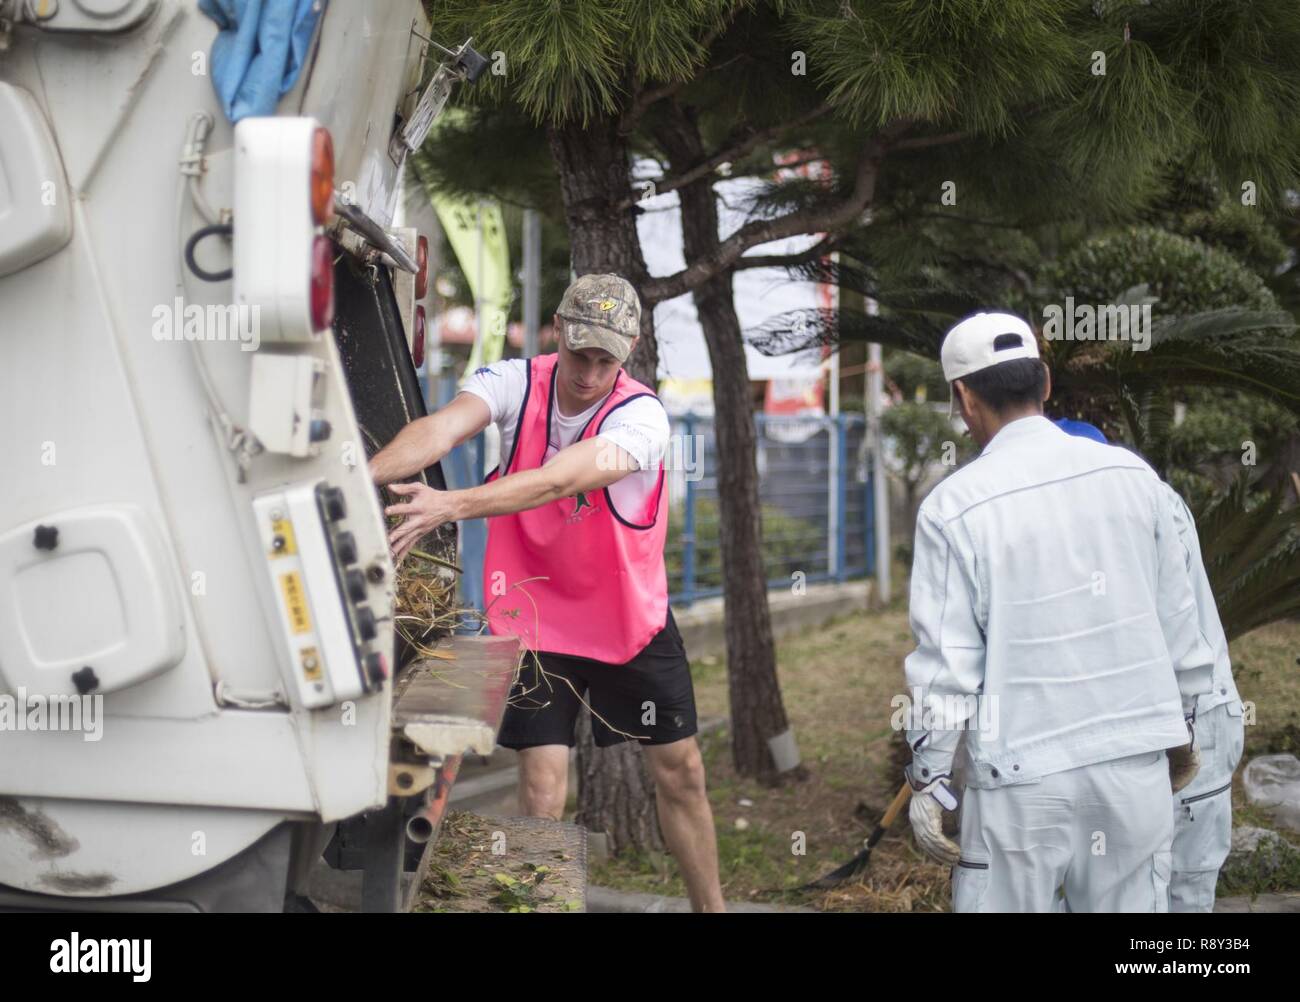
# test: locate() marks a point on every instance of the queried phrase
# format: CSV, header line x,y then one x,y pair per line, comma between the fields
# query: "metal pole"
x,y
841,497
833,508
688,522
532,280
479,302
835,469
834,373
875,391
868,502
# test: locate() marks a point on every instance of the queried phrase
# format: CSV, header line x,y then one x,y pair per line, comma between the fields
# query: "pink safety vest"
x,y
576,576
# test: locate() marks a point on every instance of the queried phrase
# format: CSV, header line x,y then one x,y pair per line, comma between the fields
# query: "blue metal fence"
x,y
815,495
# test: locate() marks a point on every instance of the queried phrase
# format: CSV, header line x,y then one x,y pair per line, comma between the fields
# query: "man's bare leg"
x,y
543,781
687,819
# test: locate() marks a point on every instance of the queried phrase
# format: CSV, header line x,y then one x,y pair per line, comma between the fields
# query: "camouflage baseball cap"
x,y
601,311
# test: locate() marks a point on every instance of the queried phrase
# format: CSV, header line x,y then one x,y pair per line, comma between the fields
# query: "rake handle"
x,y
903,795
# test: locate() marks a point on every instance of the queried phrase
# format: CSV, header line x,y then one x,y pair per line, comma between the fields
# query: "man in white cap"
x,y
575,560
1056,625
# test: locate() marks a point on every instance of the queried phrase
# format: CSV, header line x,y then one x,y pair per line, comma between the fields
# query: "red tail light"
x,y
322,177
417,342
377,668
322,284
422,268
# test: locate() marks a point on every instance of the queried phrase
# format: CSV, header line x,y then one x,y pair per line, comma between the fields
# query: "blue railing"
x,y
815,494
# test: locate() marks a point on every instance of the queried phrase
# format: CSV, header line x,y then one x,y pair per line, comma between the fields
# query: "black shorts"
x,y
650,699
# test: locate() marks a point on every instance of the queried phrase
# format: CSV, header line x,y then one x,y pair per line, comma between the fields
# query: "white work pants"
x,y
1203,811
1100,834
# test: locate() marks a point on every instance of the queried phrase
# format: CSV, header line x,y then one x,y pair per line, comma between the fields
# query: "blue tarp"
x,y
259,51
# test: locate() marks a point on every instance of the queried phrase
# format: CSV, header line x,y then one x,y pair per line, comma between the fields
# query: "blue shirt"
x,y
1082,429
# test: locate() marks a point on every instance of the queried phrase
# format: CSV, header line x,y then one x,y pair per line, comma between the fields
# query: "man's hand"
x,y
424,509
925,812
583,467
1184,762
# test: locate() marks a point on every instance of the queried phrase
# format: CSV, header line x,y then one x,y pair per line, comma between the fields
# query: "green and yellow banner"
x,y
477,234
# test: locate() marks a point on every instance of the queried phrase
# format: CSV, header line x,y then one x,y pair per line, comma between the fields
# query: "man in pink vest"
x,y
575,559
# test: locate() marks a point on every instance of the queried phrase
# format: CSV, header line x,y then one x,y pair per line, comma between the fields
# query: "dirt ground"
x,y
504,865
838,681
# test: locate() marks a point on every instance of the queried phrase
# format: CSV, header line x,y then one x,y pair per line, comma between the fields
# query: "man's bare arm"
x,y
584,466
426,440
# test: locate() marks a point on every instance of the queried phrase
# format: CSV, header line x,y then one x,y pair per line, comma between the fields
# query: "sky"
x,y
761,293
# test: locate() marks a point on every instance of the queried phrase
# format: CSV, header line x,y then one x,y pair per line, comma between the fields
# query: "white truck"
x,y
205,329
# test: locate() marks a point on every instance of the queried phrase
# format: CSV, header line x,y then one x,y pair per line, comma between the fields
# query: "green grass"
x,y
1264,664
1270,868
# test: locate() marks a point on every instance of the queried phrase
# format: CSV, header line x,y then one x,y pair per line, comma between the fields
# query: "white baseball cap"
x,y
985,339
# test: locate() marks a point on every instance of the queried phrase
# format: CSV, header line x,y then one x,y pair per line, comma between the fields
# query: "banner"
x,y
477,234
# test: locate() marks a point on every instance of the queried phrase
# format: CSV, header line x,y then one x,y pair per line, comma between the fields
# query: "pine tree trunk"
x,y
757,709
615,793
594,178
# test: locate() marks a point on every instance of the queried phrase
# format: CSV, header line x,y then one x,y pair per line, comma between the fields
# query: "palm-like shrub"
x,y
1250,544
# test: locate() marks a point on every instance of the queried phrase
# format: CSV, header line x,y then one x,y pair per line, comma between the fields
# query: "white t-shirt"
x,y
640,428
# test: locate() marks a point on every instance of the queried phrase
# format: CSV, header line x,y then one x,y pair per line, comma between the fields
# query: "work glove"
x,y
1184,762
925,812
